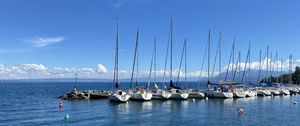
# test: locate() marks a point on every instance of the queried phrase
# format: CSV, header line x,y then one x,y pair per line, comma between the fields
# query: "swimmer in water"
x,y
240,111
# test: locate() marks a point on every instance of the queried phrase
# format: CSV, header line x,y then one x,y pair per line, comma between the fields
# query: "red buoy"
x,y
60,104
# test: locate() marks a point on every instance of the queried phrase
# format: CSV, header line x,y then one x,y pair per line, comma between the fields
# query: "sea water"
x,y
38,104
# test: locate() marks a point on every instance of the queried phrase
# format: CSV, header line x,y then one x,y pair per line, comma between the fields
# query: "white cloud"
x,y
44,41
275,65
101,69
39,71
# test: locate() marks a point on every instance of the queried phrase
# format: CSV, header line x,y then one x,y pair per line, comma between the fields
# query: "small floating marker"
x,y
194,100
67,117
206,98
60,104
295,103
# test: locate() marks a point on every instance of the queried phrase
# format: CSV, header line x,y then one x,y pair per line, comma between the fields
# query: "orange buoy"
x,y
60,104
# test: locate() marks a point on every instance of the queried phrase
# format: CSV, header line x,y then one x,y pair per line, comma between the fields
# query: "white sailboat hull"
x,y
197,94
219,94
180,96
250,93
263,93
275,92
119,96
239,94
284,92
146,96
161,95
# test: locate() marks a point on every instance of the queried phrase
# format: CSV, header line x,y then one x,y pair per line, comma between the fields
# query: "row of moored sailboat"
x,y
143,93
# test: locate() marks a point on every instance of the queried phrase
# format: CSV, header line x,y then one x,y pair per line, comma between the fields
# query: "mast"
x,y
271,67
233,51
155,60
249,65
185,65
116,67
171,48
239,65
276,57
208,57
259,67
290,68
137,61
281,72
220,53
267,64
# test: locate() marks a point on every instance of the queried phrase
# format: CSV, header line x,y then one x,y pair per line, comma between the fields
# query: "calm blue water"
x,y
37,104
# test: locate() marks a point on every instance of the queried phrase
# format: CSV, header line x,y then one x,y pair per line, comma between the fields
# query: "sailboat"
x,y
239,93
216,92
176,93
157,93
260,91
139,94
117,95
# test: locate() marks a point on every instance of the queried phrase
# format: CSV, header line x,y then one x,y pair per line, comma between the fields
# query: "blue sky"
x,y
79,35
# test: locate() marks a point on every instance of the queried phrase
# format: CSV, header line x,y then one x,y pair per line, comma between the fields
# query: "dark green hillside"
x,y
285,77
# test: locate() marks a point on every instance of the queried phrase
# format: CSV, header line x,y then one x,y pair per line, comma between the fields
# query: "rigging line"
x,y
203,60
134,60
150,71
166,60
236,66
245,65
216,56
230,58
183,50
